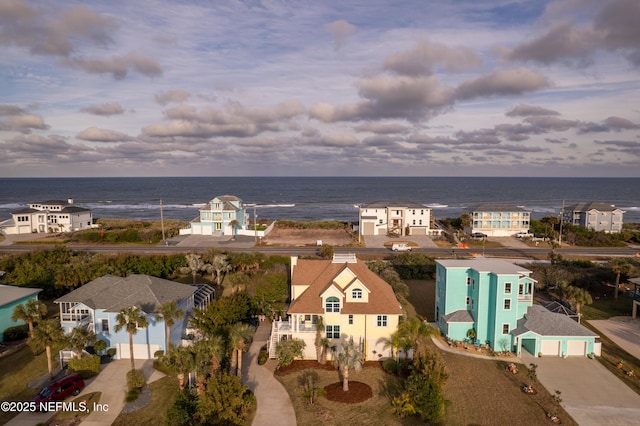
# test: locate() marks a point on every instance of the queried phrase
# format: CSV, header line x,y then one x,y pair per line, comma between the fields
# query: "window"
x,y
468,300
350,319
105,326
468,280
520,289
505,328
382,320
507,288
333,304
507,304
333,331
356,293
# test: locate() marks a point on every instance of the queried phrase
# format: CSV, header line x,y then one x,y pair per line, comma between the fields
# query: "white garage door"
x,y
139,351
576,348
550,347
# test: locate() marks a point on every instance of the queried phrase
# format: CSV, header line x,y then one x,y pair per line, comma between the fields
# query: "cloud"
x,y
340,30
382,128
610,124
503,83
95,134
117,66
23,123
612,27
106,109
524,110
11,110
168,96
427,57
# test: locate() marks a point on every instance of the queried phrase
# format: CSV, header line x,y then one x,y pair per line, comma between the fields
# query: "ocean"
x,y
316,198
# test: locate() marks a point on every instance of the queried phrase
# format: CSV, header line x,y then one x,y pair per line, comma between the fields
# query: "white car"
x,y
400,247
524,235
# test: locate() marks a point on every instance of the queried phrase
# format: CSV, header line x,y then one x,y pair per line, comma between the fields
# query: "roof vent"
x,y
344,258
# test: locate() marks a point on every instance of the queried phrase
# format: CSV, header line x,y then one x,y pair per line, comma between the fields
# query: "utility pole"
x,y
162,220
561,216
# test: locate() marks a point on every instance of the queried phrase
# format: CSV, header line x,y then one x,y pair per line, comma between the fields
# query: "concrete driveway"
x,y
624,331
590,393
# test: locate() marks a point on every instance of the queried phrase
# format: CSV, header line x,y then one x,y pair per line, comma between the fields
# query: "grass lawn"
x,y
163,393
607,307
374,411
422,295
482,392
16,371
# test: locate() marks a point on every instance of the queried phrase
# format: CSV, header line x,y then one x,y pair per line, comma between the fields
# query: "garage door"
x,y
576,348
368,228
139,351
550,347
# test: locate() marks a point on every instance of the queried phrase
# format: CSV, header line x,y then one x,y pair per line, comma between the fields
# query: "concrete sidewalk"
x,y
274,404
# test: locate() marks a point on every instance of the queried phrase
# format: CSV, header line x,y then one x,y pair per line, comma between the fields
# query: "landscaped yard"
x,y
422,295
163,394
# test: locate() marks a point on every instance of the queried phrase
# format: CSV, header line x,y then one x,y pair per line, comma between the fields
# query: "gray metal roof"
x,y
11,293
482,264
496,207
385,204
593,205
113,293
543,322
459,316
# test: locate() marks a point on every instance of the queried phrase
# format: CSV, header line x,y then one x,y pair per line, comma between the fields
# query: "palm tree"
x,y
395,341
239,335
579,297
350,357
169,312
46,334
219,265
30,312
131,319
233,225
319,332
182,361
619,266
416,330
208,354
79,338
195,264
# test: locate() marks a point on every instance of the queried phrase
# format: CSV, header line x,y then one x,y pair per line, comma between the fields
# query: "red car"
x,y
60,389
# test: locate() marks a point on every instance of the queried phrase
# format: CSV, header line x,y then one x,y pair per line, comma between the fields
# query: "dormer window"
x,y
333,304
356,293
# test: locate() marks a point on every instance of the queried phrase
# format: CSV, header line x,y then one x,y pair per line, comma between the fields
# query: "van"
x,y
60,389
400,247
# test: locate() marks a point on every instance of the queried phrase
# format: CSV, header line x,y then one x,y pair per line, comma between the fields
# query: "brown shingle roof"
x,y
319,275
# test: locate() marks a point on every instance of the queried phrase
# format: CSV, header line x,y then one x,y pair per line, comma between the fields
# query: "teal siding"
x,y
7,310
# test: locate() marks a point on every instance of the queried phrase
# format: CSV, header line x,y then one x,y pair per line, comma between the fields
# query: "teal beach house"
x,y
10,297
493,300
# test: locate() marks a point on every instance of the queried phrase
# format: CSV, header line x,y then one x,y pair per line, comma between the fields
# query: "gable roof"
x,y
543,322
112,293
319,275
227,202
496,207
593,205
386,204
12,293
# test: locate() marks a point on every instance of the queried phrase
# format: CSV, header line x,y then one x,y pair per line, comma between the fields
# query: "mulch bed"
x,y
358,392
301,365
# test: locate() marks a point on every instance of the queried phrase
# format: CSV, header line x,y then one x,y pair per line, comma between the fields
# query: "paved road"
x,y
274,404
590,393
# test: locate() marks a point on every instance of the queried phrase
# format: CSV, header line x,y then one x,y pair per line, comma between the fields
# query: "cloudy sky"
x,y
320,87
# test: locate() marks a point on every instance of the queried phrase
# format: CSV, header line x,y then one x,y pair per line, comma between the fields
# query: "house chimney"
x,y
70,201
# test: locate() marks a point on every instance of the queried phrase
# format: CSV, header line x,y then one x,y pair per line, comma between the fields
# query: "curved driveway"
x,y
274,405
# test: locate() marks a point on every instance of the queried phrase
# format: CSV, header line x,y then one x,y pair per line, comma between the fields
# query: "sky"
x,y
320,88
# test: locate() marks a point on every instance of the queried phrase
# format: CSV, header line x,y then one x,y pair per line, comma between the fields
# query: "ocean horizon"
x,y
316,198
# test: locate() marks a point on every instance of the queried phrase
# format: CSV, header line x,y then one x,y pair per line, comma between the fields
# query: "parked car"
x,y
478,236
400,247
60,389
524,235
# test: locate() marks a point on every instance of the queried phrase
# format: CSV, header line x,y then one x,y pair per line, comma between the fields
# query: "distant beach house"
x,y
216,216
395,218
47,217
498,220
595,216
351,299
96,304
10,297
494,298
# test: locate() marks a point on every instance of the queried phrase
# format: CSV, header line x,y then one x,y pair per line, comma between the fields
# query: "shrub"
x,y
111,352
132,395
158,354
87,366
288,350
263,357
183,409
390,366
135,379
17,332
100,346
